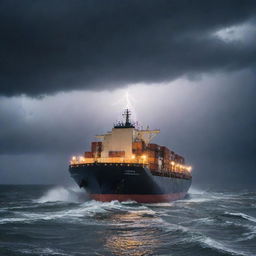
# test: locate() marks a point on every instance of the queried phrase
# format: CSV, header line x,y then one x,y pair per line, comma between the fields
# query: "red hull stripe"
x,y
146,198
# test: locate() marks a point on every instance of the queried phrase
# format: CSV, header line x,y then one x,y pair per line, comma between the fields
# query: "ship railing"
x,y
118,160
174,167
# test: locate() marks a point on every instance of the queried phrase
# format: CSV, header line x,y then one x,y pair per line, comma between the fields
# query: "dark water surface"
x,y
47,220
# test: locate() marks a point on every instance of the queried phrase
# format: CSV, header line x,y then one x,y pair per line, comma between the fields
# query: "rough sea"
x,y
56,220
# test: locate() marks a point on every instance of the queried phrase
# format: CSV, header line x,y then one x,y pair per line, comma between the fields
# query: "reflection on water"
x,y
218,223
135,236
129,243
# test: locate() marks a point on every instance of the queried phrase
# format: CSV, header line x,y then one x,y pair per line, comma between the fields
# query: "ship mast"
x,y
127,123
127,114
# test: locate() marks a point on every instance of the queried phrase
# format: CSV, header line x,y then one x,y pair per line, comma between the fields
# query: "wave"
x,y
61,194
194,200
241,215
196,191
213,244
76,213
43,252
12,220
196,195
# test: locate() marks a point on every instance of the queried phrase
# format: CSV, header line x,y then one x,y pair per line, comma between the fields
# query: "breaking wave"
x,y
218,246
241,215
61,194
196,191
61,221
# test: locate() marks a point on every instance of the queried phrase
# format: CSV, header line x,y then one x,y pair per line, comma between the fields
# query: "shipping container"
x,y
152,154
88,154
138,147
96,146
165,153
153,160
153,167
179,159
172,156
153,147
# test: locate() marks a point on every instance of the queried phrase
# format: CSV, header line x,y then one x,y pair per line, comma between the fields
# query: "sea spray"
x,y
46,220
62,194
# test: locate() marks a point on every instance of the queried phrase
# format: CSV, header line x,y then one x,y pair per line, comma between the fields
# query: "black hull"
x,y
106,182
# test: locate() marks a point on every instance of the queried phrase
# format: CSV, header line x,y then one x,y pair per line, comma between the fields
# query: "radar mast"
x,y
127,123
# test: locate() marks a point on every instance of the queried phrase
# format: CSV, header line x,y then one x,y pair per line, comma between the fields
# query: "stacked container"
x,y
179,159
138,147
96,148
88,154
153,153
172,159
165,153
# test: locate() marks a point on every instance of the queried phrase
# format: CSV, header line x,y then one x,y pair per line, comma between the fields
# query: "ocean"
x,y
58,220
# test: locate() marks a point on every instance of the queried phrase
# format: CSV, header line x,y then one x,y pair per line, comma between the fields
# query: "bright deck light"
x,y
189,168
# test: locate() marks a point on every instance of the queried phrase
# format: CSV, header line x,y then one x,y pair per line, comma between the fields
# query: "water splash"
x,y
61,194
196,191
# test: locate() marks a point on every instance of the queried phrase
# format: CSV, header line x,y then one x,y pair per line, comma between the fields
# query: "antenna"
x,y
127,114
127,123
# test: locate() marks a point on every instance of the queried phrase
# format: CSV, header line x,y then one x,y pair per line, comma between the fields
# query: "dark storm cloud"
x,y
51,46
210,121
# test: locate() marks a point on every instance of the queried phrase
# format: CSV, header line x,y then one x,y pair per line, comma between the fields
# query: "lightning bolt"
x,y
127,101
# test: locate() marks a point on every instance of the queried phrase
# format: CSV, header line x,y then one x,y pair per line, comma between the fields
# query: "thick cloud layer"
x,y
188,65
52,46
210,121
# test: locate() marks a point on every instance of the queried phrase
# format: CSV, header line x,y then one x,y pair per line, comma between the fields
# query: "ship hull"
x,y
123,182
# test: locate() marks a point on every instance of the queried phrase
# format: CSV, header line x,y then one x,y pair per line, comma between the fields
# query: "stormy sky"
x,y
69,68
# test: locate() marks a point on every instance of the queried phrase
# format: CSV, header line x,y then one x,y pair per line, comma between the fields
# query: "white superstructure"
x,y
122,136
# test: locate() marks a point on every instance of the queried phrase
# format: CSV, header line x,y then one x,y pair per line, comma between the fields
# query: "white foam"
x,y
11,220
242,215
195,200
43,251
168,204
61,194
196,191
77,212
85,209
209,242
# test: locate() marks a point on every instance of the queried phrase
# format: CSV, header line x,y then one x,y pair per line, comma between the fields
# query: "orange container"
x,y
153,147
88,154
138,147
96,146
153,167
152,160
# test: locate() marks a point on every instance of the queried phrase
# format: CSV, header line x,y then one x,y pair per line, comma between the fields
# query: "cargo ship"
x,y
124,165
